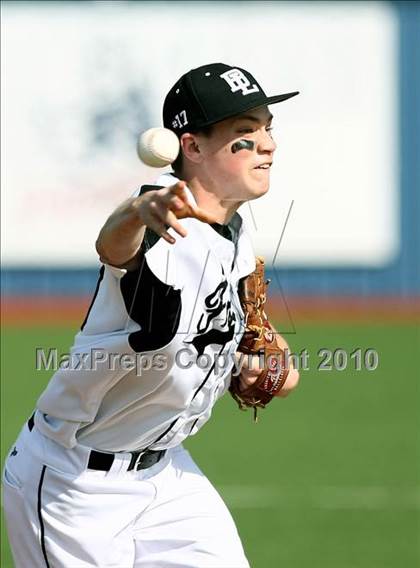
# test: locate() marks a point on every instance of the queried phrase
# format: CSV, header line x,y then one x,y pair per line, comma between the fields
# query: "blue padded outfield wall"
x,y
400,278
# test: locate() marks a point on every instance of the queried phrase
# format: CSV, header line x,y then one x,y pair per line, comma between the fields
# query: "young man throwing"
x,y
98,475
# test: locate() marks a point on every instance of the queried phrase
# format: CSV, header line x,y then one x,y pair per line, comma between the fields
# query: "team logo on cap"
x,y
237,81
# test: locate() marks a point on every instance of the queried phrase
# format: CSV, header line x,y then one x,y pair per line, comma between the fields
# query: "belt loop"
x,y
119,465
135,459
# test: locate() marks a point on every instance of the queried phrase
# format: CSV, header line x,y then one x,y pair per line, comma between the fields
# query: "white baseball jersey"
x,y
156,349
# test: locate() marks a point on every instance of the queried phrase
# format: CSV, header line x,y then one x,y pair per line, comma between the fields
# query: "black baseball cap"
x,y
211,93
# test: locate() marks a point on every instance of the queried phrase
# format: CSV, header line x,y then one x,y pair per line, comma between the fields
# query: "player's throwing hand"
x,y
120,238
161,209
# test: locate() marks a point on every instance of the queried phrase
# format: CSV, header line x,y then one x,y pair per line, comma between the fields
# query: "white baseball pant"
x,y
60,514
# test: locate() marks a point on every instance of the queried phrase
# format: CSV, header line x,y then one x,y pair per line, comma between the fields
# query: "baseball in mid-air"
x,y
158,147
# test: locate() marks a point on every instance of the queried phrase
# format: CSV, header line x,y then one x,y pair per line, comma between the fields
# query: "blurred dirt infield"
x,y
65,310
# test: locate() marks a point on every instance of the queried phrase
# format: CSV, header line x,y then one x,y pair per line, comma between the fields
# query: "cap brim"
x,y
280,98
264,102
269,101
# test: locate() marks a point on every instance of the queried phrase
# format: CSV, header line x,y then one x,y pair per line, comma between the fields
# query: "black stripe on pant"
x,y
41,521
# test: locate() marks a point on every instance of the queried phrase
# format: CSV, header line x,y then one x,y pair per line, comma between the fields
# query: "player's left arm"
x,y
250,370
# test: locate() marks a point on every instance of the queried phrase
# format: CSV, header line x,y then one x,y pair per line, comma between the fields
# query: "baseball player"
x,y
98,475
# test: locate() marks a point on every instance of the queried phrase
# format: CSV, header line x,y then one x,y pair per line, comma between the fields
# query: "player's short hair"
x,y
178,163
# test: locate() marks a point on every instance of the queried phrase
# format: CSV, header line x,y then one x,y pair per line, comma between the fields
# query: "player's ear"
x,y
191,148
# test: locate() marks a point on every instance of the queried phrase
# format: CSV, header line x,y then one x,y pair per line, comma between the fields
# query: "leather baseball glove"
x,y
260,338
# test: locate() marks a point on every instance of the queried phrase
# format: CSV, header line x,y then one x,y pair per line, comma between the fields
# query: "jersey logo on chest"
x,y
216,324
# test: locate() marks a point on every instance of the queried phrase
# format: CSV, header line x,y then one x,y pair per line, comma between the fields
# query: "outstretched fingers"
x,y
178,188
176,200
168,219
172,221
160,229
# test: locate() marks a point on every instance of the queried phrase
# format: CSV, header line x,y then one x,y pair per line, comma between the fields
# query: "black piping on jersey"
x,y
208,374
100,278
41,520
193,424
168,429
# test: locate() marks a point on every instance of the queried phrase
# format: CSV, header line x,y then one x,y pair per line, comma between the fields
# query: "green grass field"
x,y
328,478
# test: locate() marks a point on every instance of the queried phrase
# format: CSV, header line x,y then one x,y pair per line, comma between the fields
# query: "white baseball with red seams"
x,y
158,147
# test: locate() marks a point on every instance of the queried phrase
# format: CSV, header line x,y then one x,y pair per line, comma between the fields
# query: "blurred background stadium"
x,y
329,477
